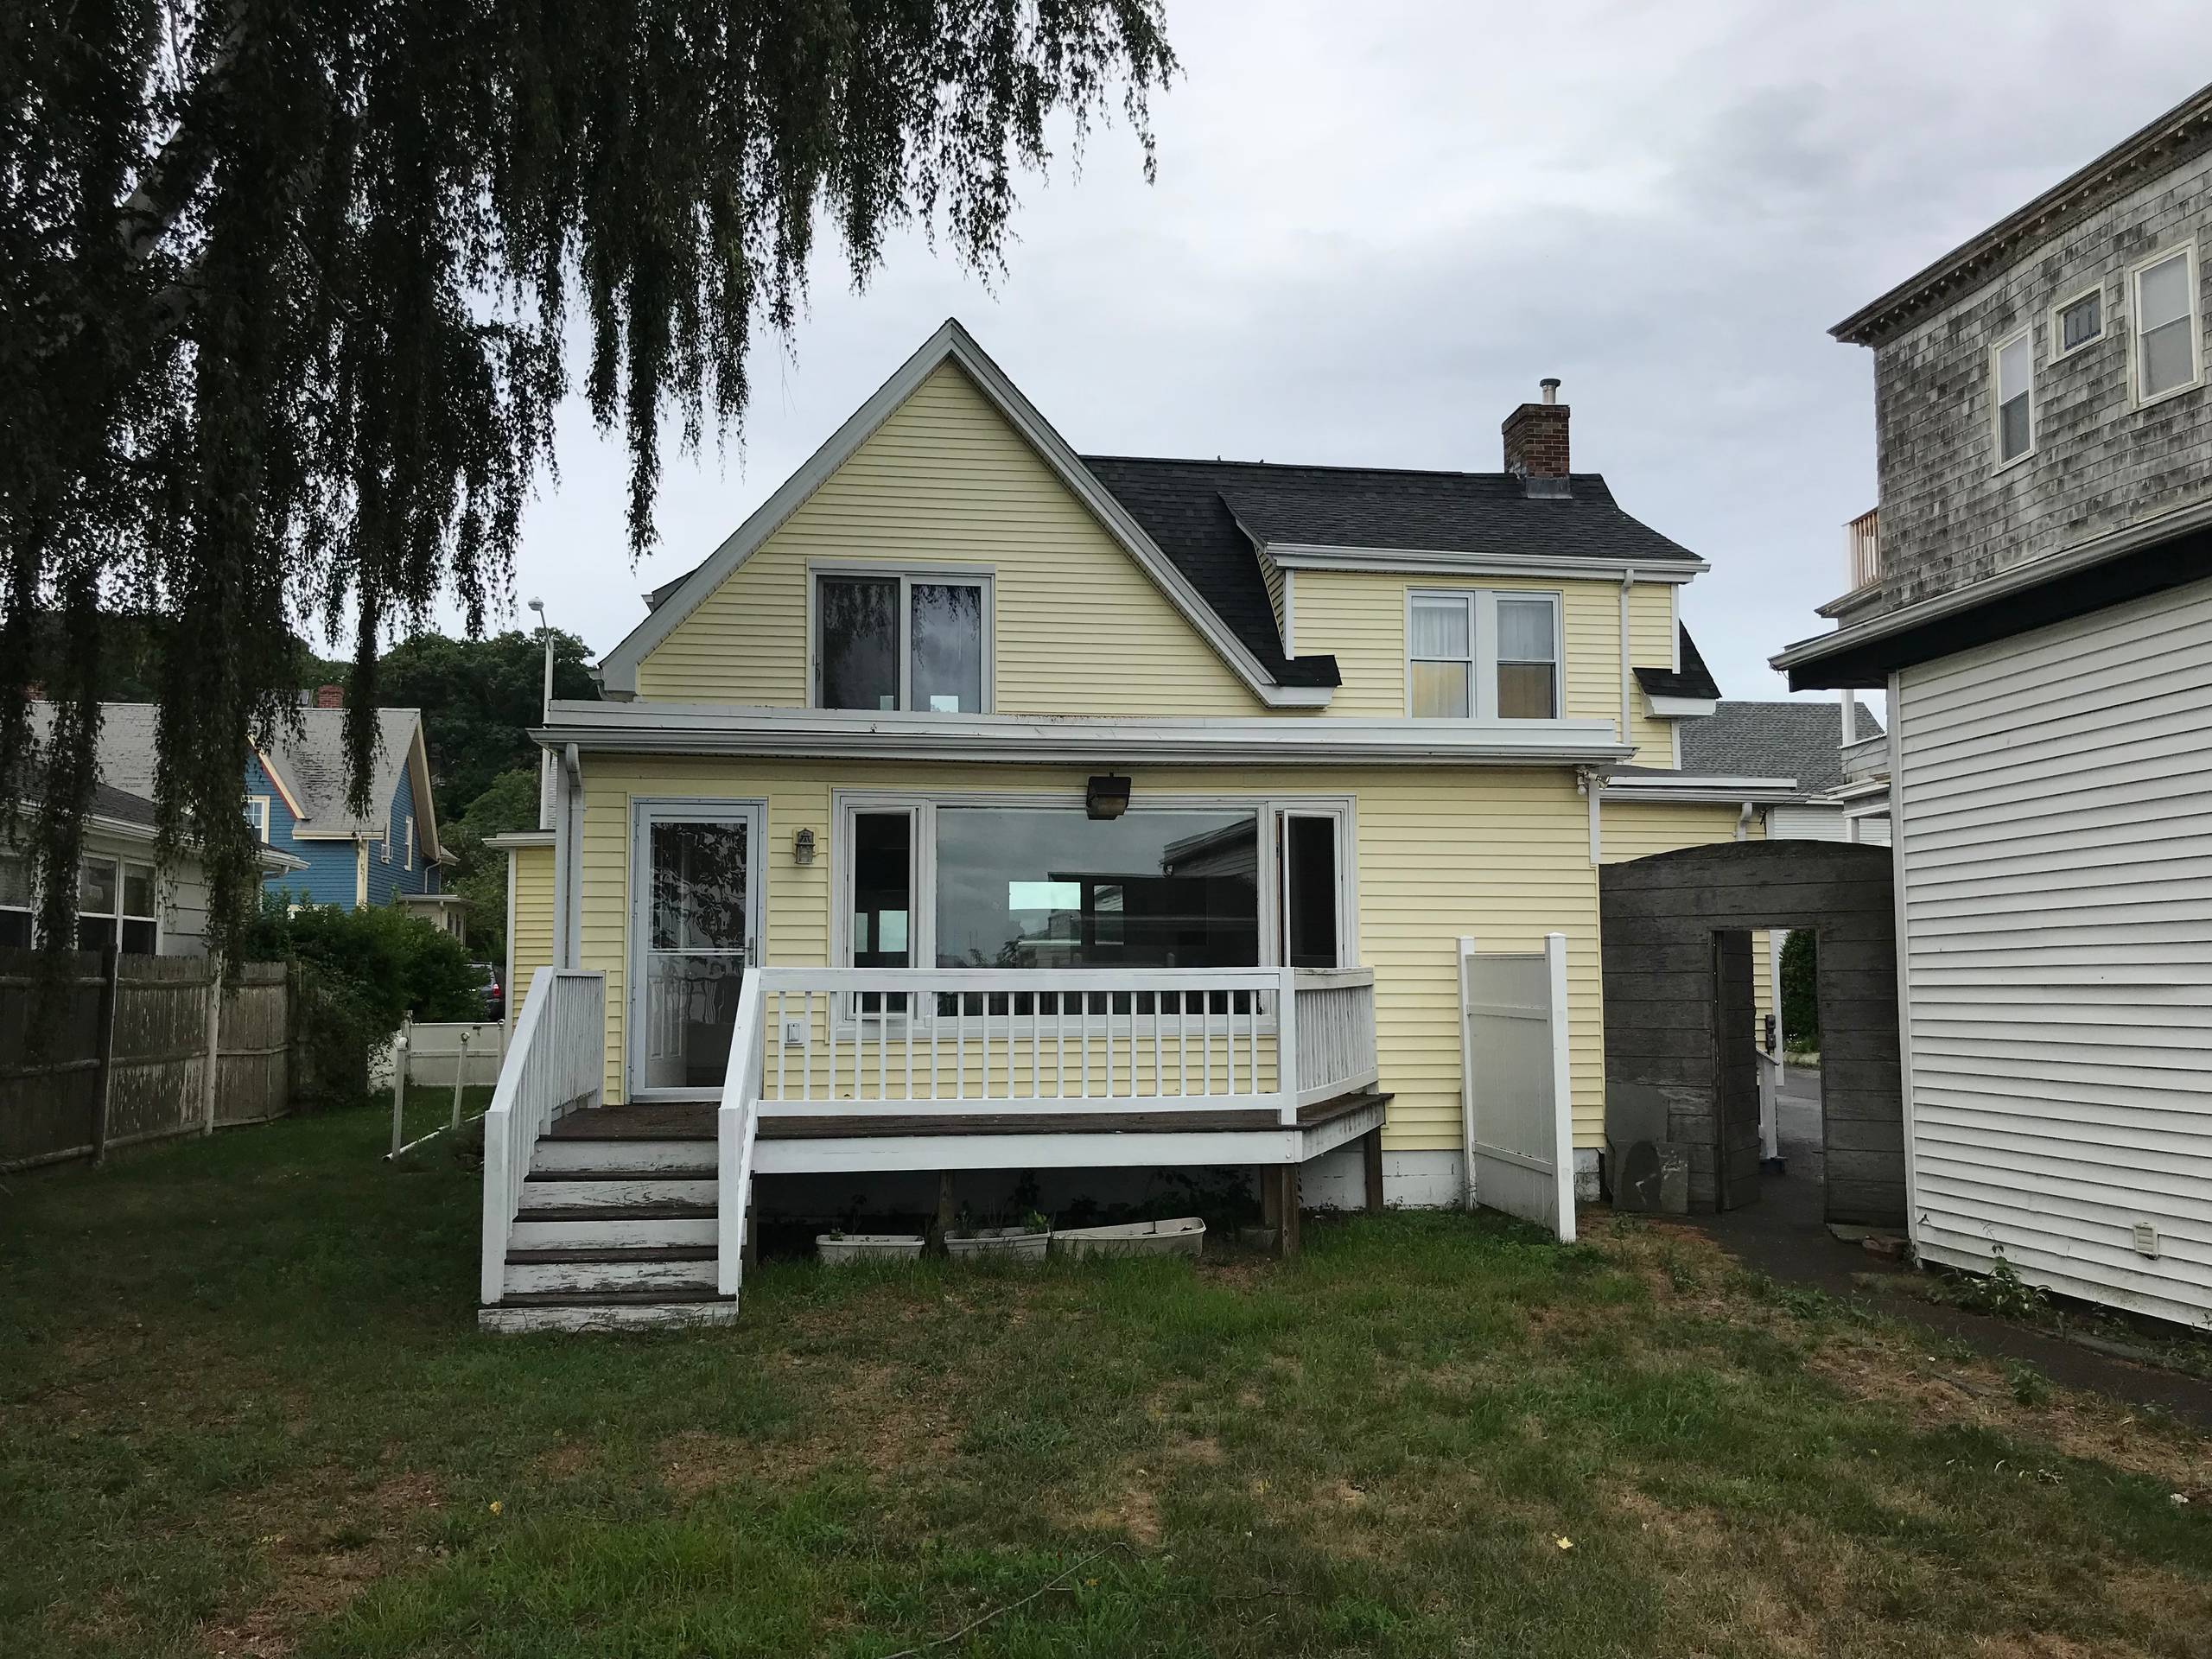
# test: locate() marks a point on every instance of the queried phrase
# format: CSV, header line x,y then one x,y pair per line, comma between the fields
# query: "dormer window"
x,y
916,640
1482,656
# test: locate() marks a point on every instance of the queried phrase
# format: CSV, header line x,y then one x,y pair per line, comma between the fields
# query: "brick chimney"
x,y
1535,436
329,697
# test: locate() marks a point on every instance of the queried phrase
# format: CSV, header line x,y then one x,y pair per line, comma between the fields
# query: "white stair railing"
x,y
736,1121
557,1063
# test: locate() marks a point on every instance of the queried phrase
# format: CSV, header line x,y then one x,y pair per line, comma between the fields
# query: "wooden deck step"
x,y
671,1210
610,1298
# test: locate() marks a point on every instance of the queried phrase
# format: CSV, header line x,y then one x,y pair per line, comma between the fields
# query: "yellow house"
x,y
977,806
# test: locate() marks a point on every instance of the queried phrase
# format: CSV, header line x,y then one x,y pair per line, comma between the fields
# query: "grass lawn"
x,y
244,1408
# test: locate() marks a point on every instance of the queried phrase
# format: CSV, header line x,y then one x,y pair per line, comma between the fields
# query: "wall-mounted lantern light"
x,y
803,846
1106,796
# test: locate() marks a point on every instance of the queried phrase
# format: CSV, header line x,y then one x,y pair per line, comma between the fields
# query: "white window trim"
x,y
409,862
905,573
2000,461
122,912
258,807
922,806
2060,350
1483,641
2187,251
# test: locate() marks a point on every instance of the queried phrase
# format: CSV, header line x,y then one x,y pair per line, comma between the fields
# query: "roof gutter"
x,y
2021,578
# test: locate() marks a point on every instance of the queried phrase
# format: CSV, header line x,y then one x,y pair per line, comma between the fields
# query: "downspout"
x,y
1628,581
1589,781
1743,822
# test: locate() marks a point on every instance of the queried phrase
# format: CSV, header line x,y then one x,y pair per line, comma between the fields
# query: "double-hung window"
x,y
410,841
115,906
1482,656
2013,370
257,814
917,639
2167,354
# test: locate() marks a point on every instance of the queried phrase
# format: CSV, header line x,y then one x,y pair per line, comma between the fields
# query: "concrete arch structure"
x,y
1680,1040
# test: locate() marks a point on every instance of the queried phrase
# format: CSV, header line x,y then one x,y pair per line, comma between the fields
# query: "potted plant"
x,y
1024,1241
1185,1235
839,1245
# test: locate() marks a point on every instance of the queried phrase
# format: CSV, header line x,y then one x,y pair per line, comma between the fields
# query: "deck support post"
x,y
1370,1152
946,1211
1279,1206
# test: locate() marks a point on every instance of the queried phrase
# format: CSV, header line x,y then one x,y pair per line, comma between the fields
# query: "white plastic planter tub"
x,y
869,1247
1185,1235
1010,1244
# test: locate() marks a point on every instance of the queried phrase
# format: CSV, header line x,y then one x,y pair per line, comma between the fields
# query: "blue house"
x,y
295,798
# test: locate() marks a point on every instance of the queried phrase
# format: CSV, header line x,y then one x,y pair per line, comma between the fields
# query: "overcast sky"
x,y
1377,226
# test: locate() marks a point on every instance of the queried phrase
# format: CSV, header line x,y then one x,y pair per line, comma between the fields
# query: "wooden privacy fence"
x,y
136,1049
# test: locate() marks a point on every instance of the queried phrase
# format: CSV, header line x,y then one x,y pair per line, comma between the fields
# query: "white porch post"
x,y
1286,1077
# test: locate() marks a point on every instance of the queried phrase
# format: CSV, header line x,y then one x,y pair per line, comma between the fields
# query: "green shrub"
x,y
359,973
1800,1001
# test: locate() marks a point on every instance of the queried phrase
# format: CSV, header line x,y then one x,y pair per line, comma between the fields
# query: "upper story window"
x,y
2078,322
257,814
410,841
917,640
2013,368
15,901
2166,355
1482,656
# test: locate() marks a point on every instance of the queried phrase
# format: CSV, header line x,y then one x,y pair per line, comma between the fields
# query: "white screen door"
x,y
693,930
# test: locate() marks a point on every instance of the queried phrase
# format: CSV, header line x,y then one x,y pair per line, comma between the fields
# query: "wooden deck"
x,y
694,1120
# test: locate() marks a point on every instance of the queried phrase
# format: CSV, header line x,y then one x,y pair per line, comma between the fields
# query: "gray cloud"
x,y
1375,226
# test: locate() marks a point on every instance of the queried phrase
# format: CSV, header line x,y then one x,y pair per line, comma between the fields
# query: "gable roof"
x,y
1691,679
951,343
1772,739
1198,527
308,765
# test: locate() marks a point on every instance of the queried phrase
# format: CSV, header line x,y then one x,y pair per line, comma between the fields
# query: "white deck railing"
x,y
1863,549
839,1041
557,1062
1336,1033
737,1121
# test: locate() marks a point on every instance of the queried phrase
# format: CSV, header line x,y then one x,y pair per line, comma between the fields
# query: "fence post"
x,y
1461,952
214,1044
459,1071
110,973
1562,1084
399,1046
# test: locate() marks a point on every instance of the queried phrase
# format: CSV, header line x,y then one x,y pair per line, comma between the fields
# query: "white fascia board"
x,y
515,838
1681,708
1766,792
1300,555
274,859
696,729
2020,578
619,669
426,811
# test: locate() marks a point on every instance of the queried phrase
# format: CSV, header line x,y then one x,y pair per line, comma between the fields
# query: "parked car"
x,y
495,995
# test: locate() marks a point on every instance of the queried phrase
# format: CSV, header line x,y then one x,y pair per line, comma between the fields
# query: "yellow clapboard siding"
x,y
1360,616
1499,855
1079,628
530,922
1640,829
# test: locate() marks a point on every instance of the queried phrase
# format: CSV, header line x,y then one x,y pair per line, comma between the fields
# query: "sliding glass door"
x,y
694,930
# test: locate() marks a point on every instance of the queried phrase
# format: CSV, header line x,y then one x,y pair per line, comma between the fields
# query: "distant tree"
x,y
1800,1001
479,698
289,288
481,878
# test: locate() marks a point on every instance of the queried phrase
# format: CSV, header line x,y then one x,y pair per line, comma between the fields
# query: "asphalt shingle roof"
x,y
1772,739
1692,679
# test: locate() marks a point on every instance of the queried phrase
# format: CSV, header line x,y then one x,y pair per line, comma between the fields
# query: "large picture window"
x,y
902,640
1482,656
1004,883
15,904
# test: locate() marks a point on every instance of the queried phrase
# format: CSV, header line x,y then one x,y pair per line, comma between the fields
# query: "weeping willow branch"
x,y
287,285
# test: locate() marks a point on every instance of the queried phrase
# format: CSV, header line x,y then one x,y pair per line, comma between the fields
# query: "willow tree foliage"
x,y
285,288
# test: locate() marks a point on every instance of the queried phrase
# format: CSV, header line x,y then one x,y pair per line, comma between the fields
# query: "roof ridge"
x,y
1310,467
